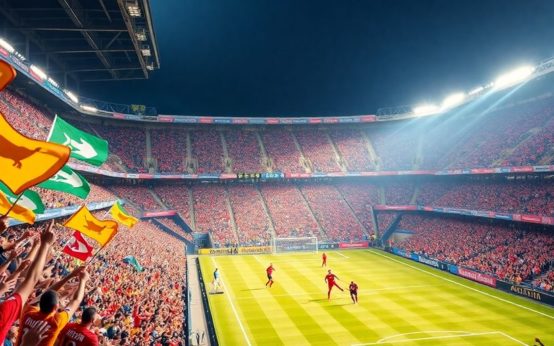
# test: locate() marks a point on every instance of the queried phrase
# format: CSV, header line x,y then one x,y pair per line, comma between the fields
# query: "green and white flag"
x,y
30,199
84,146
69,181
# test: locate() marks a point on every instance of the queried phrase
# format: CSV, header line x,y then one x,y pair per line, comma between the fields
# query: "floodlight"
x,y
39,72
476,90
71,96
89,108
53,82
453,100
6,46
134,9
514,76
426,109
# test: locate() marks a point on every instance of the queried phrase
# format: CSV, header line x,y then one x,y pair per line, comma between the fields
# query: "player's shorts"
x,y
354,293
269,277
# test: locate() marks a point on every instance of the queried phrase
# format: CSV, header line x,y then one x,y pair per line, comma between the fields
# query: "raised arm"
x,y
79,294
35,271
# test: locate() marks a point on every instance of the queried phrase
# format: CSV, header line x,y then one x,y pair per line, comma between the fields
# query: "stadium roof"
x,y
83,40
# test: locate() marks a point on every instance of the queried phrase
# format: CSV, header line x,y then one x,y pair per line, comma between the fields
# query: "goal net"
x,y
307,244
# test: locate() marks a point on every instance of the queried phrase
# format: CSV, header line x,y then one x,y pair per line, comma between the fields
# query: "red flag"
x,y
78,247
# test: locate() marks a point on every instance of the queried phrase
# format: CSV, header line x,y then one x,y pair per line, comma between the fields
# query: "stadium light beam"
x,y
426,109
453,100
6,46
513,77
39,72
89,108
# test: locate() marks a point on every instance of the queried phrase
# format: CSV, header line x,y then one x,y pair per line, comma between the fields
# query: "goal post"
x,y
295,244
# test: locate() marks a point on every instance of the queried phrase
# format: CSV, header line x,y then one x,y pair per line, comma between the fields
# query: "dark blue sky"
x,y
293,57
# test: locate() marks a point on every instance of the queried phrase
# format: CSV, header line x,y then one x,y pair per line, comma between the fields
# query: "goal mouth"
x,y
295,244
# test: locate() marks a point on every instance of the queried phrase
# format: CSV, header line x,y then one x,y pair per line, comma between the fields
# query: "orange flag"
x,y
18,212
7,74
100,230
25,162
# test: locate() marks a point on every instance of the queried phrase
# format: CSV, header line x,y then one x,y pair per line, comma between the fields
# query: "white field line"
x,y
511,337
338,253
323,290
383,341
465,286
228,294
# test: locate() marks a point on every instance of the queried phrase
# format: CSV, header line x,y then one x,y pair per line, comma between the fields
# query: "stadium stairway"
x,y
338,157
165,229
371,150
267,214
364,229
266,162
390,230
322,234
304,162
231,214
157,199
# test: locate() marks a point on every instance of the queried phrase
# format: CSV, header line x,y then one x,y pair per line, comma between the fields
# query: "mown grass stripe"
x,y
427,303
253,314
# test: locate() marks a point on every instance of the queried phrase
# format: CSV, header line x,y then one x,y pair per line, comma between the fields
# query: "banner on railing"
x,y
243,250
354,245
476,276
525,291
485,279
161,213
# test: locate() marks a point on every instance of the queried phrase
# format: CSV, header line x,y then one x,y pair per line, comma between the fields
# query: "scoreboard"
x,y
260,176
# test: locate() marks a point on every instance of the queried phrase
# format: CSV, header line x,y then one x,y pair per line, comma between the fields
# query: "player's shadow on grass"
x,y
254,289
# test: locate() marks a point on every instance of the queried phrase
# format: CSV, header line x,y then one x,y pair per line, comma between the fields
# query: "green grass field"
x,y
401,303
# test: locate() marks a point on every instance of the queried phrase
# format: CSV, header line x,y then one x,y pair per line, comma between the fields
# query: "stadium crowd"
x,y
507,252
523,137
131,306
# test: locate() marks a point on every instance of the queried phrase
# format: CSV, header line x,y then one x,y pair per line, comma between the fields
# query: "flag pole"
x,y
14,203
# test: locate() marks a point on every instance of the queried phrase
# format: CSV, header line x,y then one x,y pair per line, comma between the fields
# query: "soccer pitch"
x,y
400,303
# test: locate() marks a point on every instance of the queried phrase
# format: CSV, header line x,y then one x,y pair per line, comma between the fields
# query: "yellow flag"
x,y
120,214
100,230
17,212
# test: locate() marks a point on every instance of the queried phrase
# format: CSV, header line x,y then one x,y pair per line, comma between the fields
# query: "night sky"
x,y
287,58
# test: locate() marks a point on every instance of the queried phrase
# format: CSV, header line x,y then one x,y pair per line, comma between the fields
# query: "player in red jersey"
x,y
79,334
269,272
330,280
353,288
324,259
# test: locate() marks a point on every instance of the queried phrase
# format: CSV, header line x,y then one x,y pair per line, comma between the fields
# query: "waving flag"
x,y
134,262
84,146
25,162
30,199
69,181
7,74
100,230
121,215
18,212
78,247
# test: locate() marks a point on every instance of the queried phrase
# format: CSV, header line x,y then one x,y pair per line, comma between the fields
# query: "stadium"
x,y
123,224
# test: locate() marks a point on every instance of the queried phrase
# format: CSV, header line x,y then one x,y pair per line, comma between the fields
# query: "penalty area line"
x,y
462,285
234,309
338,253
